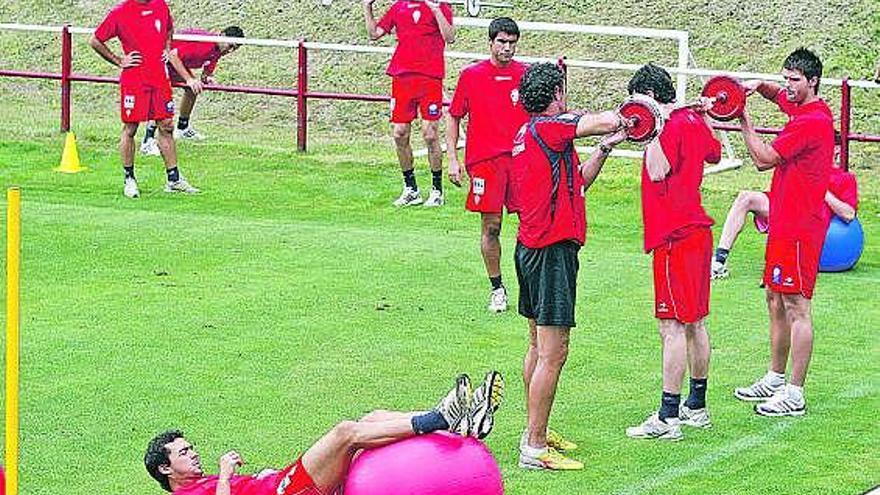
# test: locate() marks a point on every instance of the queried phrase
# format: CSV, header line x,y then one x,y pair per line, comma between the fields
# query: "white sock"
x,y
774,379
530,451
795,392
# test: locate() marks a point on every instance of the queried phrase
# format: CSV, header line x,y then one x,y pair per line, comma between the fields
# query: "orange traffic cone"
x,y
70,157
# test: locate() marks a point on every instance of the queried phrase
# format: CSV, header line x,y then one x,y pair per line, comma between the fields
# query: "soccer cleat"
x,y
130,189
409,197
556,441
719,270
485,401
435,199
782,404
551,460
758,391
180,185
654,427
150,147
454,406
189,134
498,300
698,418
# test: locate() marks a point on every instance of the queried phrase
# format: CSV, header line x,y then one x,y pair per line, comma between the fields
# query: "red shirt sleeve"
x,y
460,105
108,28
713,145
210,67
446,10
559,132
670,143
793,140
389,20
845,188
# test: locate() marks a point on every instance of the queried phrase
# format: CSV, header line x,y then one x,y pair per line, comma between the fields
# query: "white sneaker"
x,y
653,427
435,199
498,300
759,391
719,270
409,197
454,406
181,185
150,147
130,189
189,134
485,401
784,403
698,418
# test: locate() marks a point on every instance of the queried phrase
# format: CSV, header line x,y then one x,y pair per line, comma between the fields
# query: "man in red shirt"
x,y
423,28
547,187
841,200
678,233
194,55
144,29
488,93
174,463
801,156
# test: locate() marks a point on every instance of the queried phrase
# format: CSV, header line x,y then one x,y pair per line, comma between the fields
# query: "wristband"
x,y
605,149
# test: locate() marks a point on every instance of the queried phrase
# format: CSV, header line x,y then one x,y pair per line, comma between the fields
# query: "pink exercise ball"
x,y
434,464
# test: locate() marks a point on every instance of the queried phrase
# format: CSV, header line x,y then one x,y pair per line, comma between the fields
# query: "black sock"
x,y
173,174
697,397
721,255
409,178
151,132
182,122
437,179
669,405
496,282
128,171
428,422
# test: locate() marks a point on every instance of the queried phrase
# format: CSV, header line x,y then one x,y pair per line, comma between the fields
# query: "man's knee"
x,y
376,415
345,434
492,227
400,133
430,133
554,355
797,309
129,130
166,126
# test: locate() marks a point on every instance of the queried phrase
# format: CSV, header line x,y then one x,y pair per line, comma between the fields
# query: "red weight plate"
x,y
730,97
645,126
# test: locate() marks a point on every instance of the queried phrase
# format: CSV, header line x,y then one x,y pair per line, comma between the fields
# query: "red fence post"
x,y
66,56
845,108
302,85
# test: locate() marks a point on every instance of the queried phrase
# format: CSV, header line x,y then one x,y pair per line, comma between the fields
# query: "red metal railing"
x,y
302,95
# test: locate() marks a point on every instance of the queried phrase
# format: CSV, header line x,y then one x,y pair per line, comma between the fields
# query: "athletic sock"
x,y
151,132
721,255
669,406
182,122
774,379
530,451
173,174
496,282
409,178
129,172
428,422
795,392
697,396
437,179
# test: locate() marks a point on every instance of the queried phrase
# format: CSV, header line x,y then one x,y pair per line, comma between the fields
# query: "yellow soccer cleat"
x,y
550,459
558,442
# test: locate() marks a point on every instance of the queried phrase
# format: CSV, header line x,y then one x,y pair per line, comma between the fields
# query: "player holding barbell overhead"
x,y
678,233
547,191
417,69
801,157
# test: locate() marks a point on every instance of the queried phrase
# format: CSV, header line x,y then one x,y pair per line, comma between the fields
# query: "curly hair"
x,y
655,79
157,455
807,63
538,86
233,32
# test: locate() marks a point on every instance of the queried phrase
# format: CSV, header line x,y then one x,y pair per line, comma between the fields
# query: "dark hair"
x,y
538,86
655,79
157,455
837,138
503,25
233,32
805,62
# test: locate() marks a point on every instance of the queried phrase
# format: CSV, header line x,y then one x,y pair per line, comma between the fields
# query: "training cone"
x,y
70,157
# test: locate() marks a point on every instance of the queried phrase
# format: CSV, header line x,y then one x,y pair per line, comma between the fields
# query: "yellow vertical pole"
x,y
13,265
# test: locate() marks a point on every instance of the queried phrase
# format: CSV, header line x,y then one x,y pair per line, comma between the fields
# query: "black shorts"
x,y
548,282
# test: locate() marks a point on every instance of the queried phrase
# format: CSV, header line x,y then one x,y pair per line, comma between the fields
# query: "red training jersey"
x,y
546,188
673,206
142,27
489,95
197,54
238,484
797,192
420,44
843,185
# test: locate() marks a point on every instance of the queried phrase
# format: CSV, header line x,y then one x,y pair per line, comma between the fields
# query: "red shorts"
x,y
488,191
790,267
762,223
140,103
415,92
682,271
295,480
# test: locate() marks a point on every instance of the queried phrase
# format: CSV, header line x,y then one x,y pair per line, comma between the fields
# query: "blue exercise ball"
x,y
843,245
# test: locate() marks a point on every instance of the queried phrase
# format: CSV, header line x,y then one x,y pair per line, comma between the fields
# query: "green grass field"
x,y
290,295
